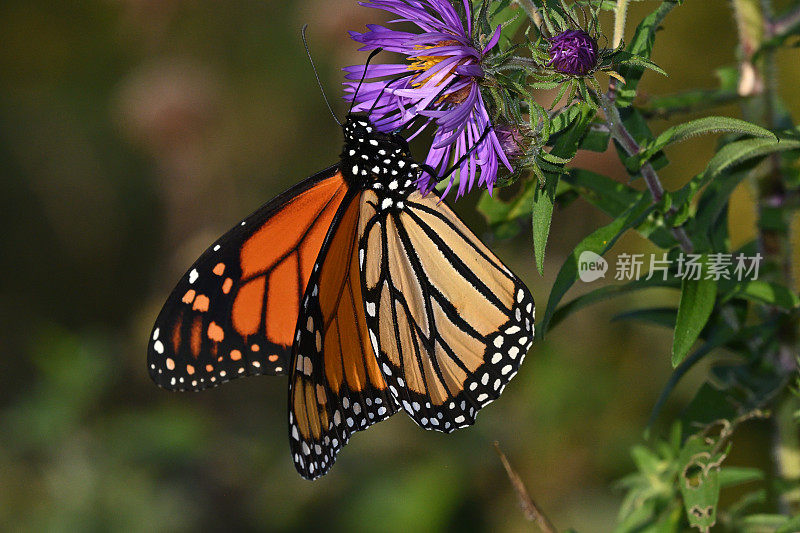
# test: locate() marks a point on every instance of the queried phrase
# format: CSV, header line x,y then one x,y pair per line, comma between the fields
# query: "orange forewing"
x,y
234,312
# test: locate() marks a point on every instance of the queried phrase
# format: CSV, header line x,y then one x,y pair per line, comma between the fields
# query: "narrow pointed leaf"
x,y
697,302
564,149
702,126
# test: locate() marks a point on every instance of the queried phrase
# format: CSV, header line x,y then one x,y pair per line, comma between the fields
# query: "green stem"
x,y
620,17
526,63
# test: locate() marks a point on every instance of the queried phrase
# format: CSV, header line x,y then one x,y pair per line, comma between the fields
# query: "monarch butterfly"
x,y
372,297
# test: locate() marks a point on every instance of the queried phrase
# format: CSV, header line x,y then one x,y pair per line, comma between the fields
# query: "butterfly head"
x,y
374,159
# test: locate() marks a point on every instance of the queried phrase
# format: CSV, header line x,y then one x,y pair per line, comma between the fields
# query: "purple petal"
x,y
493,41
470,70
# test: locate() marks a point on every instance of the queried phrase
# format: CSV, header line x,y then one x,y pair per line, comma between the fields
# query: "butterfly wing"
x,y
234,312
449,323
336,387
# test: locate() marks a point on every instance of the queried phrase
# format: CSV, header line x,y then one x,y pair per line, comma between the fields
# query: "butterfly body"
x,y
375,160
371,296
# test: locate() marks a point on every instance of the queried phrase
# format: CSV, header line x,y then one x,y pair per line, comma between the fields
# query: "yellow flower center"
x,y
423,64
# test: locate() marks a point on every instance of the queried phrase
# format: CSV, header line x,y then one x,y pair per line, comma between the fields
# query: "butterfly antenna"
x,y
386,86
316,75
363,77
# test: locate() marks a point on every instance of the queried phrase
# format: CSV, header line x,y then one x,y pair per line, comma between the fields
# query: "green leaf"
x,y
736,475
699,481
496,212
607,194
543,85
626,58
642,46
701,126
564,119
596,139
733,154
767,293
790,526
543,202
564,149
774,523
646,461
493,209
697,302
598,242
656,316
743,150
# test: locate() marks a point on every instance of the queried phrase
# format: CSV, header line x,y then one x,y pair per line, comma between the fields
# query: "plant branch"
x,y
759,77
532,511
787,450
621,134
750,27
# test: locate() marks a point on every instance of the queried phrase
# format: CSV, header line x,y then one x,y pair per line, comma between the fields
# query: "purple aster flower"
x,y
439,82
573,52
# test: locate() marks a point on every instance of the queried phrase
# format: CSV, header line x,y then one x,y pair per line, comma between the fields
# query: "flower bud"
x,y
573,52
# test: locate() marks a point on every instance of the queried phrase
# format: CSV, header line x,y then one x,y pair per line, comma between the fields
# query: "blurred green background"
x,y
132,133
